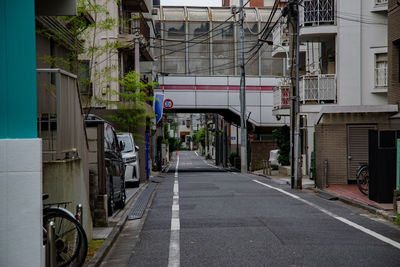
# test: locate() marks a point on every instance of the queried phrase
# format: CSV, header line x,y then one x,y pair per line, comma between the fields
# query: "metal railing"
x,y
281,97
319,89
60,115
381,77
318,12
381,2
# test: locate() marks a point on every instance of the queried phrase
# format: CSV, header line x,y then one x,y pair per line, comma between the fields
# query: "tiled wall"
x,y
20,202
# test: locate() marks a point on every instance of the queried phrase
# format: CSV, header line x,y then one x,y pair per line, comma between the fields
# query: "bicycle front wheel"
x,y
363,180
68,236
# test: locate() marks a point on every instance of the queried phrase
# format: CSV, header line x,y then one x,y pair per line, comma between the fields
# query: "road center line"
x,y
344,220
174,243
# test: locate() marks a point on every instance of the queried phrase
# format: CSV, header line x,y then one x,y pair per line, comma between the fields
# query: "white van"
x,y
130,157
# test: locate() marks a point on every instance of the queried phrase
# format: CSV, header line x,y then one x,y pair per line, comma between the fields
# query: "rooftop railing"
x,y
318,12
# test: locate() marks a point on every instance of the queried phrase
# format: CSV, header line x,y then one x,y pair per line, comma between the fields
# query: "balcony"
x,y
318,17
281,97
318,89
138,27
380,6
60,119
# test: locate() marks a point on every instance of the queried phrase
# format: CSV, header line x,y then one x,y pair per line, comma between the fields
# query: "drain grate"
x,y
327,196
140,205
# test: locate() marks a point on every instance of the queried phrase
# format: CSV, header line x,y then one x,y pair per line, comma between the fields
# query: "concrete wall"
x,y
64,182
20,202
356,46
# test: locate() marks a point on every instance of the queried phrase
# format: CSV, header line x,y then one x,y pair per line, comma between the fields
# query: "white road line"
x,y
174,258
344,220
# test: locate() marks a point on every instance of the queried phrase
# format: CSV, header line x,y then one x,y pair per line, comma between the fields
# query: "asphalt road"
x,y
202,215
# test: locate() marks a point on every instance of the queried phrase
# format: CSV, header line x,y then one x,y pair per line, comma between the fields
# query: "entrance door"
x,y
357,148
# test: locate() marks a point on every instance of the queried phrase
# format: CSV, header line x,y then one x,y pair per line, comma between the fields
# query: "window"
x,y
381,74
250,56
199,53
175,47
223,49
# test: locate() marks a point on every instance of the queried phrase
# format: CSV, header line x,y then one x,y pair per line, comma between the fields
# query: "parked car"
x,y
114,166
130,156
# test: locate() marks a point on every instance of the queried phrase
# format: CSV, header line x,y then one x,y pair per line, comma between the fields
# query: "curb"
x,y
112,237
382,213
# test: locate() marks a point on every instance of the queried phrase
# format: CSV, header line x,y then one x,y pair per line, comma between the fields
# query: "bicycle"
x,y
70,238
362,176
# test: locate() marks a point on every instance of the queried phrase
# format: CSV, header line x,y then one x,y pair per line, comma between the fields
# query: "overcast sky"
x,y
190,2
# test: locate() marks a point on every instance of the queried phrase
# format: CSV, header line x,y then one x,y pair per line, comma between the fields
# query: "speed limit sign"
x,y
168,104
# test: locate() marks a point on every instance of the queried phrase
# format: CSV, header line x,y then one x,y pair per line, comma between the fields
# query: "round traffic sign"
x,y
168,104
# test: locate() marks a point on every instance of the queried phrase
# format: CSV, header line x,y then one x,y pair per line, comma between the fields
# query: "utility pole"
x,y
136,38
294,29
206,135
243,126
297,150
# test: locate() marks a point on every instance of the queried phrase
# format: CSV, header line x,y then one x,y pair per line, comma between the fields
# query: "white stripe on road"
x,y
174,257
359,227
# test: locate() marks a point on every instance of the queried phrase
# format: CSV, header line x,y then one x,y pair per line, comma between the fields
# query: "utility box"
x,y
382,165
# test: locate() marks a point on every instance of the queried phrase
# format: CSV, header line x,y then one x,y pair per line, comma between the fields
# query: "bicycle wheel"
x,y
363,180
69,236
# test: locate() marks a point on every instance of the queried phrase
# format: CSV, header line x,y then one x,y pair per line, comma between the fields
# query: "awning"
x,y
357,109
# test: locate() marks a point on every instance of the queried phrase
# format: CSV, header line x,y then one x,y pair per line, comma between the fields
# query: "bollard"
x,y
269,169
79,213
51,246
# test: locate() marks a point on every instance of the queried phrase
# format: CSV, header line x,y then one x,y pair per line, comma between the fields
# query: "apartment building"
x,y
343,83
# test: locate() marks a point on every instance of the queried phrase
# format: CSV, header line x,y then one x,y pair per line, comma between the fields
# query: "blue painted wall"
x,y
17,70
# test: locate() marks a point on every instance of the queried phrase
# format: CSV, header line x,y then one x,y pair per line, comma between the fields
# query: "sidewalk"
x,y
117,221
349,194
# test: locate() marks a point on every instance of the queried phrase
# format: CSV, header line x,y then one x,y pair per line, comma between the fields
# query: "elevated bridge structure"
x,y
220,94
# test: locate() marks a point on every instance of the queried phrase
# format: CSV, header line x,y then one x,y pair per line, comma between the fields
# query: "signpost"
x,y
168,104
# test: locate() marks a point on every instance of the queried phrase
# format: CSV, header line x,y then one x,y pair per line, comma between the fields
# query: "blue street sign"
x,y
158,106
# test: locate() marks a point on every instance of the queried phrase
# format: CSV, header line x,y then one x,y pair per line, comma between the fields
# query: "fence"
x,y
319,88
60,115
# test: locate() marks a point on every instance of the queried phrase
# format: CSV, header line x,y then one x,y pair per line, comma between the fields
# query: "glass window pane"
x,y
175,30
223,31
221,14
251,15
223,49
197,29
198,14
199,57
174,13
175,65
270,66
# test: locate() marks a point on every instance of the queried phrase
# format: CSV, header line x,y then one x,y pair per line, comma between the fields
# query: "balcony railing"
x,y
140,26
60,114
381,2
318,12
318,89
281,97
381,76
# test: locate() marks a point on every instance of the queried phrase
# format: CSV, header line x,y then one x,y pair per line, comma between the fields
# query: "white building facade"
x,y
343,75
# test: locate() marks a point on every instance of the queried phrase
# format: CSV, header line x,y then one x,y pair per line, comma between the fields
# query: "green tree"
x,y
282,138
131,110
201,137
